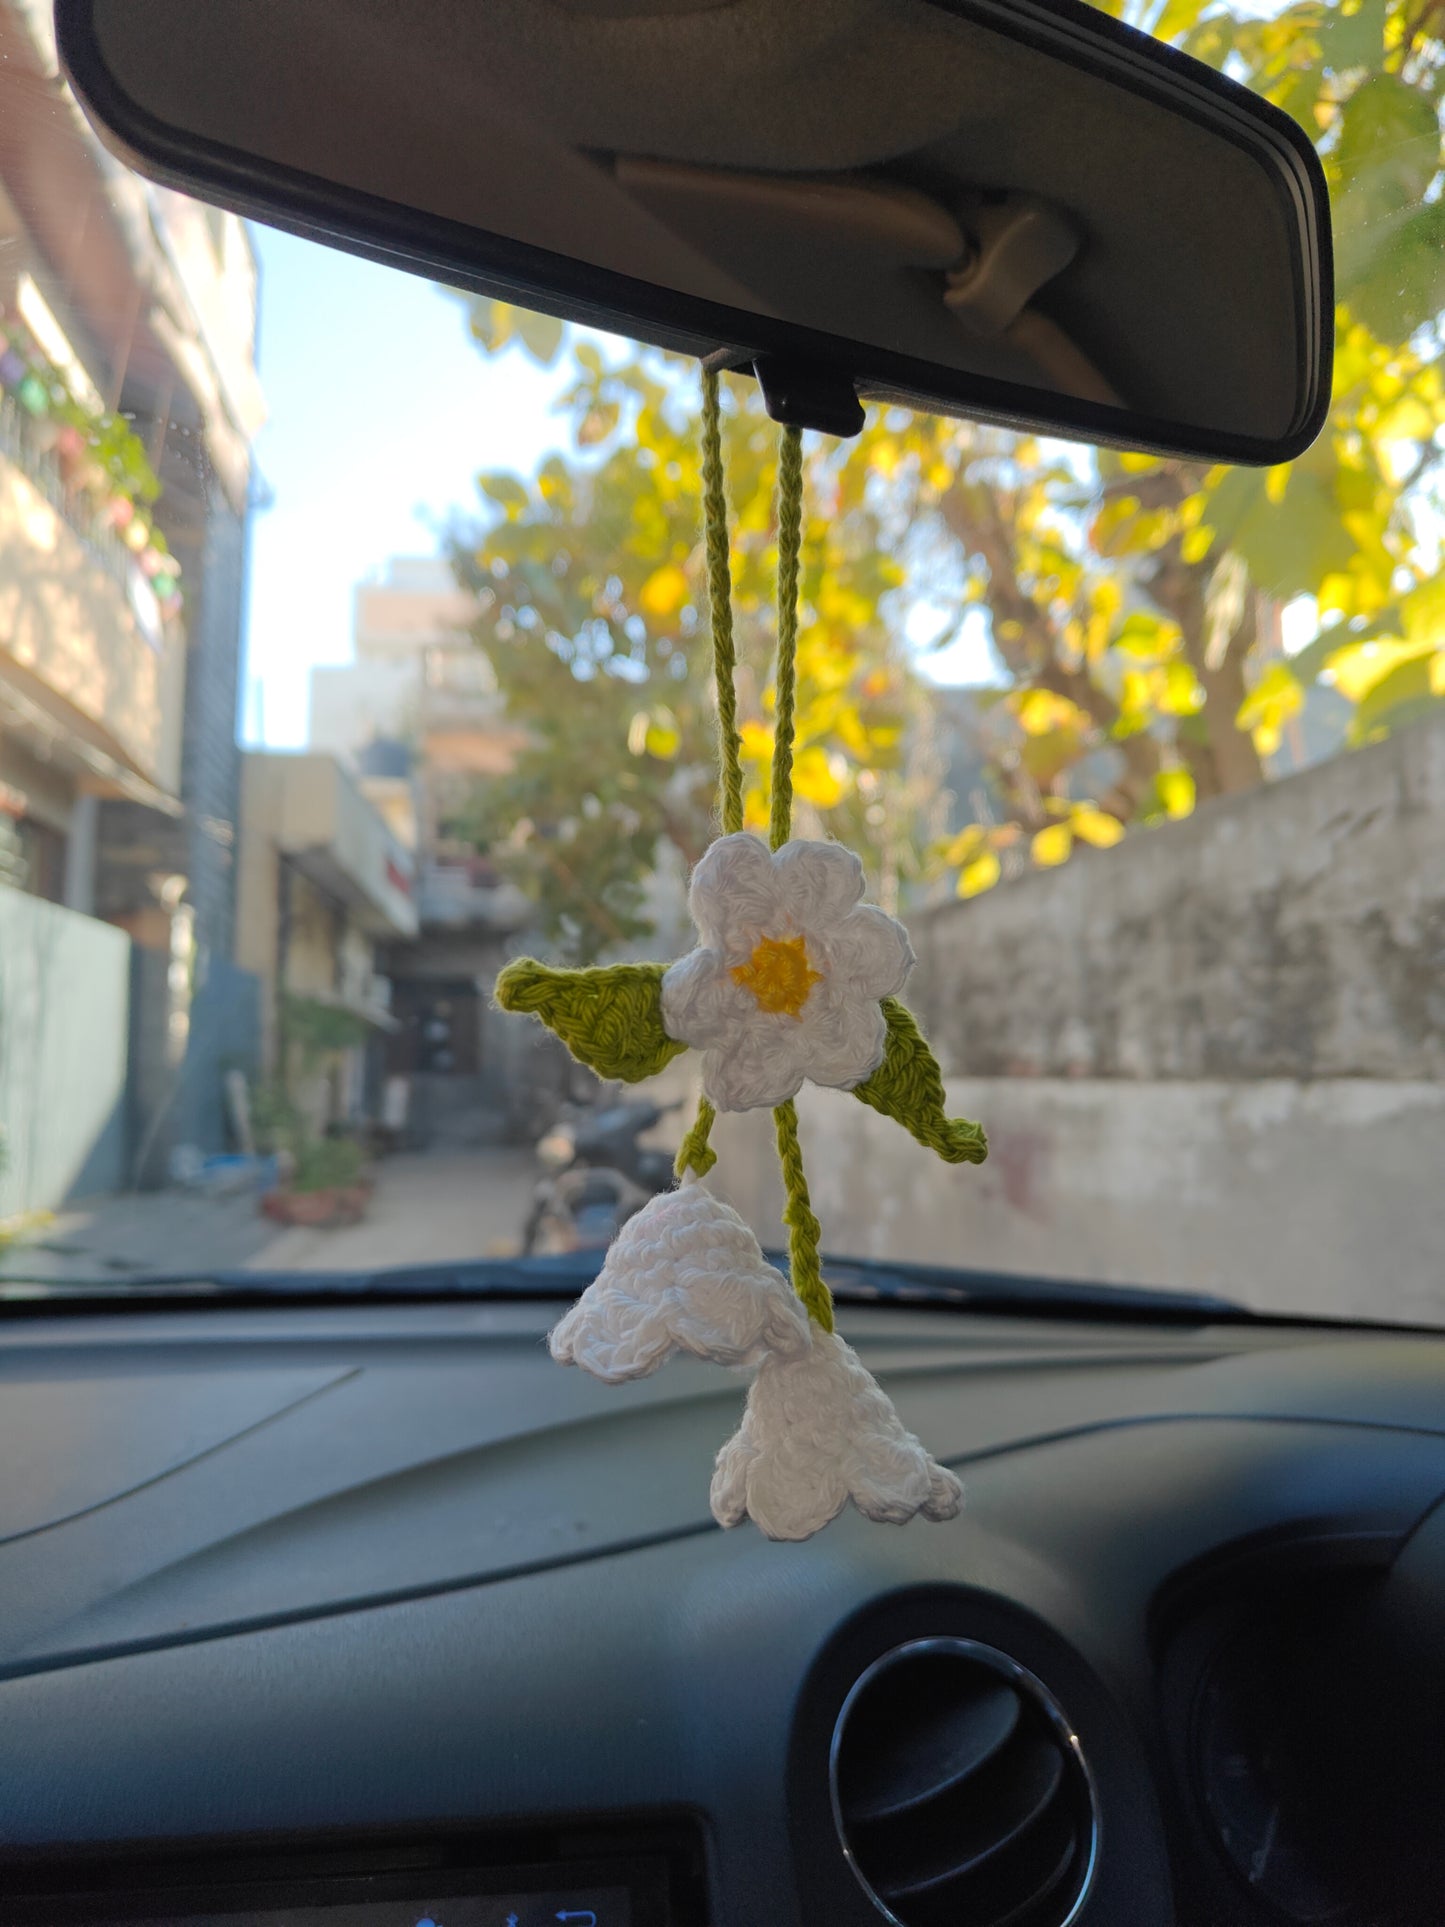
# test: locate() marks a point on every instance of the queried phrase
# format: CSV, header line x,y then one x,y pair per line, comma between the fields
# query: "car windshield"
x,y
354,641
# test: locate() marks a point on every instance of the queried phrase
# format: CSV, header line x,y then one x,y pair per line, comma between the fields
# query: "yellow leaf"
x,y
1040,712
1175,790
1112,521
964,848
664,739
1408,420
1051,847
1106,597
664,593
757,741
979,875
1147,638
1182,694
1095,826
1358,666
1197,543
1424,612
1437,673
1275,698
819,779
654,732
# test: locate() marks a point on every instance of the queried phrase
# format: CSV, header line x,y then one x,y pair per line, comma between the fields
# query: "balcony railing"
x,y
106,550
456,896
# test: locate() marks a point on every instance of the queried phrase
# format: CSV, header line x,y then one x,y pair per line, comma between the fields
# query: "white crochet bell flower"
x,y
820,1430
787,981
684,1274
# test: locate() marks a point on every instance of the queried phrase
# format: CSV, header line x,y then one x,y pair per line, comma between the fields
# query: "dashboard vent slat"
x,y
943,1745
963,1833
959,1791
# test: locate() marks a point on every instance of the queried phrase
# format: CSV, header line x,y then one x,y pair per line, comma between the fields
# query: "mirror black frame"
x,y
810,378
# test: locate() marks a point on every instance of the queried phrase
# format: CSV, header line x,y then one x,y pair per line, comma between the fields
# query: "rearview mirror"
x,y
1023,213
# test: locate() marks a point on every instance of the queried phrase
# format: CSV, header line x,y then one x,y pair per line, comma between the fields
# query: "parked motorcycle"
x,y
598,1175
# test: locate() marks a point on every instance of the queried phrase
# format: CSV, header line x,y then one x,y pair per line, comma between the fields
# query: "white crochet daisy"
x,y
787,981
820,1430
684,1274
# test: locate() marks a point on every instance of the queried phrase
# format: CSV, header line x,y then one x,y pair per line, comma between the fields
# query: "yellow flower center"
x,y
778,974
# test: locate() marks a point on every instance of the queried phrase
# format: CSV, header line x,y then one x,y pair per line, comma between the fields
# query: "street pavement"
x,y
426,1208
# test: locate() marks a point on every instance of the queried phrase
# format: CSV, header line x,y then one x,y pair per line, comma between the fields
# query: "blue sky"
x,y
381,412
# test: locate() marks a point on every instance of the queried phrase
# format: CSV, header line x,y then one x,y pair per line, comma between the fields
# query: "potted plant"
x,y
327,1185
322,1176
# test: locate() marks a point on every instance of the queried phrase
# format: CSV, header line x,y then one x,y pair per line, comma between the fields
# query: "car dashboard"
x,y
371,1616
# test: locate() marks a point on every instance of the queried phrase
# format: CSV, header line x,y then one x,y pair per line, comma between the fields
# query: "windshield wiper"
x,y
855,1281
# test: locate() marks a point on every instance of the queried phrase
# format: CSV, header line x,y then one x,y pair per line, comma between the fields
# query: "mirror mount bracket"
x,y
801,394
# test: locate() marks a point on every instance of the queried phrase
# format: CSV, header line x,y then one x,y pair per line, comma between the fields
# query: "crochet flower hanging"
x,y
793,979
788,979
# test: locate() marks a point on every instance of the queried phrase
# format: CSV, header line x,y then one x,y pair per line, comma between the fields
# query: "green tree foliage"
x,y
1133,603
592,590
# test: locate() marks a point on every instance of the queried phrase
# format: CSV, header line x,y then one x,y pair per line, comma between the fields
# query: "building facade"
x,y
129,400
325,887
418,717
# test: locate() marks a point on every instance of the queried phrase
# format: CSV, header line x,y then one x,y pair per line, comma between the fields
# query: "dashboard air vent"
x,y
959,1791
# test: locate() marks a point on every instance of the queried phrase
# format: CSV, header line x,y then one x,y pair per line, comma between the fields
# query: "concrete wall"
x,y
1211,1058
64,996
1315,1197
1297,931
180,1051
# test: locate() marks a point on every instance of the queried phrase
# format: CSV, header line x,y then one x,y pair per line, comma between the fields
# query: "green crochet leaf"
x,y
609,1018
908,1086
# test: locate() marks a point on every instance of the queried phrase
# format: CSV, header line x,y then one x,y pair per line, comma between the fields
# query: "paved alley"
x,y
427,1208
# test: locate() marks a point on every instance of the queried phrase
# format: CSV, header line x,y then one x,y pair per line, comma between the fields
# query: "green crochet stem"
x,y
720,606
790,542
611,1017
695,1149
803,1228
695,1152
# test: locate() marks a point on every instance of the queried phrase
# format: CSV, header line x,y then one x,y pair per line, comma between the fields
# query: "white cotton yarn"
x,y
742,893
685,1274
818,1431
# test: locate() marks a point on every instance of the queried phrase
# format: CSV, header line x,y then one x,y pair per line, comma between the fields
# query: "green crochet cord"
x,y
804,1230
790,542
611,1018
720,606
695,1152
